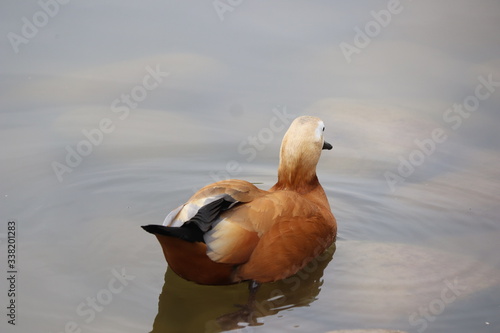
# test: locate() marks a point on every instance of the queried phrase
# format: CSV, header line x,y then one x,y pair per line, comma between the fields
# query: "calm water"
x,y
413,182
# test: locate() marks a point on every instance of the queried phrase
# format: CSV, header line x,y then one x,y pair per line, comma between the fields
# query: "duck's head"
x,y
301,149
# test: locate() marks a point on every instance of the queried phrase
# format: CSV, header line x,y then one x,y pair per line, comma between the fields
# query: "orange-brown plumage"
x,y
231,231
191,262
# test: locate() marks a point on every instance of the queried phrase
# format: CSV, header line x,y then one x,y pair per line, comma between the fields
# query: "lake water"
x,y
413,178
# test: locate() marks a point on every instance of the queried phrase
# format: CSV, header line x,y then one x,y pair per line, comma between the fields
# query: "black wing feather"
x,y
193,230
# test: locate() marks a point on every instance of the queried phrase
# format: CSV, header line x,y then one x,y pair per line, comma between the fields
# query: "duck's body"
x,y
231,231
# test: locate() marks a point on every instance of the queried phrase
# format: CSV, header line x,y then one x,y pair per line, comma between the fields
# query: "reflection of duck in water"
x,y
187,307
231,231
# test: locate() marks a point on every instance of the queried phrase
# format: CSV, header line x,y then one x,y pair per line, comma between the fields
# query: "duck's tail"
x,y
188,232
188,257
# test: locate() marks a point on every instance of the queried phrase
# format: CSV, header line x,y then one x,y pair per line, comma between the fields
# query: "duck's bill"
x,y
327,146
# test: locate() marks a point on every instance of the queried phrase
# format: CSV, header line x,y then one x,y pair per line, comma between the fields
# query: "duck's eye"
x,y
323,128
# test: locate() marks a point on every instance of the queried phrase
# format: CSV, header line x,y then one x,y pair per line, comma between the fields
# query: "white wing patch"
x,y
181,214
215,240
169,220
229,242
223,239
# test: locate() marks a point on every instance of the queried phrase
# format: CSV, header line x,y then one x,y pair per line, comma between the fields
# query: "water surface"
x,y
415,187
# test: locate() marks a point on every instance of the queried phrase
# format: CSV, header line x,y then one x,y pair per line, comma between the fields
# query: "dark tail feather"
x,y
188,232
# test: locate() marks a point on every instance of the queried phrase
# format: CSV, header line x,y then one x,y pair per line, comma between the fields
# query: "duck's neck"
x,y
299,176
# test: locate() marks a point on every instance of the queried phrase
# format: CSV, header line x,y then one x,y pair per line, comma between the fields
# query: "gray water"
x,y
413,177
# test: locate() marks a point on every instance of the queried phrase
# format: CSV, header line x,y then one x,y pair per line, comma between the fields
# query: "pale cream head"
x,y
301,147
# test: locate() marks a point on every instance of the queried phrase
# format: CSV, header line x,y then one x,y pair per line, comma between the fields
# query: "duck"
x,y
232,231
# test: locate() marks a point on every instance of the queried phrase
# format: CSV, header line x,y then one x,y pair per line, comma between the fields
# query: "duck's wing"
x,y
182,237
219,196
202,211
288,231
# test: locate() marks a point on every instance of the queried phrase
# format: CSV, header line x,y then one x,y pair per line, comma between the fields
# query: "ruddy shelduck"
x,y
231,231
